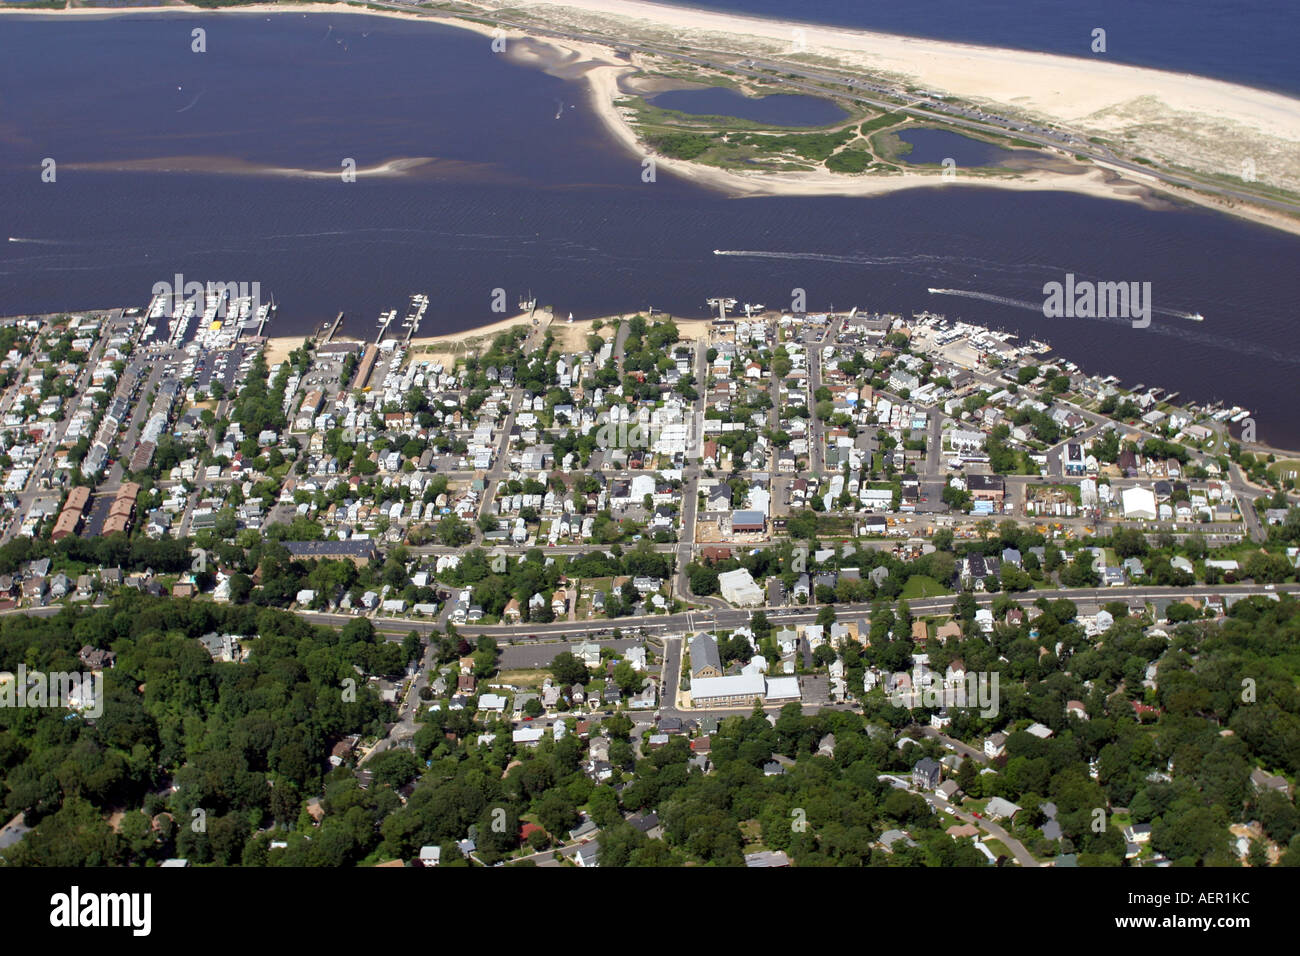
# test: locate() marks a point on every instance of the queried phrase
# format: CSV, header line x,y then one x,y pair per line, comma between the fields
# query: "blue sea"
x,y
1243,41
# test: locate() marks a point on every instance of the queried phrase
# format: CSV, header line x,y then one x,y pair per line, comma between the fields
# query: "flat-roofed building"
x,y
739,587
357,550
748,522
723,691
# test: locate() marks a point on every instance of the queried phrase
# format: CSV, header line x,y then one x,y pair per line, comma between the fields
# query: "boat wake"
x,y
988,297
938,266
916,259
933,266
1038,306
1171,330
192,102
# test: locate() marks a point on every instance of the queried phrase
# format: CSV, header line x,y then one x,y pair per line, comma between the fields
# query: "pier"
x,y
329,336
264,316
415,312
419,305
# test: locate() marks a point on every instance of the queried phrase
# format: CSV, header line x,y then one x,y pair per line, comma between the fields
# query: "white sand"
x,y
1066,88
1200,123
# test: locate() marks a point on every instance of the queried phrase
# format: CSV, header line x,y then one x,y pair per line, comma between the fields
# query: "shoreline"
x,y
572,337
1085,89
448,346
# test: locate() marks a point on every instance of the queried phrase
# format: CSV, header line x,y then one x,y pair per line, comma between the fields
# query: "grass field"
x,y
997,848
922,586
528,677
1285,468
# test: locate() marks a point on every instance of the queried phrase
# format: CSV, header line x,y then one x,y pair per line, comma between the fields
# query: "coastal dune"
x,y
1072,89
1209,126
606,76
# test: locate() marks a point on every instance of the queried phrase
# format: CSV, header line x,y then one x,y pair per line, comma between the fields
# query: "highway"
x,y
396,628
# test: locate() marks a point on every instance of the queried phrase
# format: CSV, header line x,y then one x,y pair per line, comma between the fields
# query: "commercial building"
x,y
738,689
1139,503
748,522
986,488
739,587
705,662
356,550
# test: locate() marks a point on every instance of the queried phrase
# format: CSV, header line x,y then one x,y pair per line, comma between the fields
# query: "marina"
x,y
419,304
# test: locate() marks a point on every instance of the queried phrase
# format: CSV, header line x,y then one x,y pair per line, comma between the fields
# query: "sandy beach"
x,y
1196,122
1199,123
569,336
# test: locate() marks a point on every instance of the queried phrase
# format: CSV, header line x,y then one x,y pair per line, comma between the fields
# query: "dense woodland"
x,y
243,742
248,745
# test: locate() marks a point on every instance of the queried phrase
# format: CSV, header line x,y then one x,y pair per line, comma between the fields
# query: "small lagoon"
x,y
779,109
933,146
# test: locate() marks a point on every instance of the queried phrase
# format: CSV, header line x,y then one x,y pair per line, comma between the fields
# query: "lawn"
x,y
923,586
526,677
1285,468
998,848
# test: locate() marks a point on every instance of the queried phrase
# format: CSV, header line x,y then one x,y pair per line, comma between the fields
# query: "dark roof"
x,y
357,548
984,483
704,651
645,822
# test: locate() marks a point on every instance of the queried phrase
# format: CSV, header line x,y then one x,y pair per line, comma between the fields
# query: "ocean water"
x,y
1243,41
513,198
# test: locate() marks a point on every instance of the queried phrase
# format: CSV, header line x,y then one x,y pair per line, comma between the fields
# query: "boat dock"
x,y
419,305
385,320
333,329
264,316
